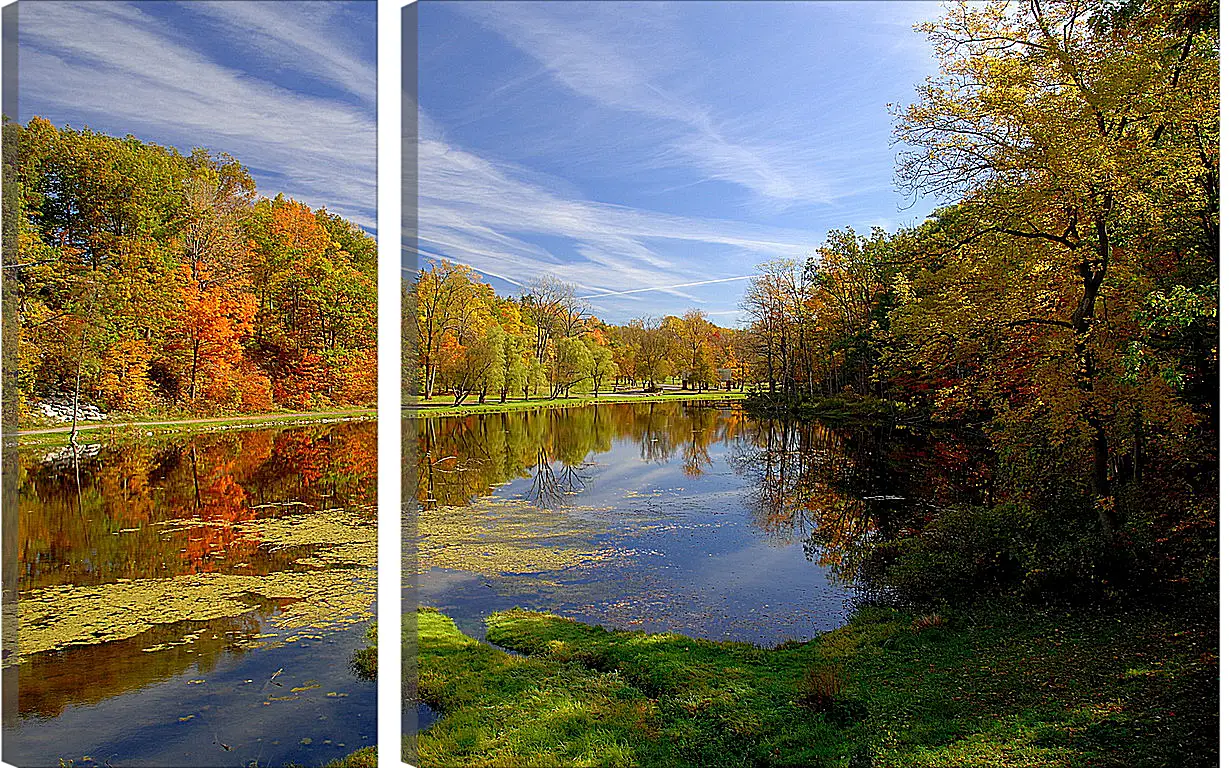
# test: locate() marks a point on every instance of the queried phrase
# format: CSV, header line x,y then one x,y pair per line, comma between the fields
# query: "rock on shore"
x,y
60,408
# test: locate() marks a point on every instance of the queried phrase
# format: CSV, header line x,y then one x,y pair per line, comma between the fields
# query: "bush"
x,y
966,553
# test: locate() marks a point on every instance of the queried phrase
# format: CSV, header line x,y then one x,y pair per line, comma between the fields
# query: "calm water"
x,y
685,517
195,603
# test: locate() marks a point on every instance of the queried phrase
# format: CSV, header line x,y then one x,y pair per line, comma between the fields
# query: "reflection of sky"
x,y
143,728
699,566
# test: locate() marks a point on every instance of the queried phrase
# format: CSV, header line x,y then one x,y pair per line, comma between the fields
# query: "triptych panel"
x,y
775,384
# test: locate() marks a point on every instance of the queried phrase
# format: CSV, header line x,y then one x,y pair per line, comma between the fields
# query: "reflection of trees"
x,y
695,456
549,488
838,489
793,467
86,675
551,447
111,524
831,488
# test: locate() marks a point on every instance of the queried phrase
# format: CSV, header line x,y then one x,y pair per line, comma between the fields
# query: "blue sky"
x,y
288,88
654,154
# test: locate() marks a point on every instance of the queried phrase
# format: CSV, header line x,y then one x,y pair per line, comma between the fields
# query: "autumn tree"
x,y
600,363
694,338
653,350
1085,131
442,292
783,328
849,298
160,280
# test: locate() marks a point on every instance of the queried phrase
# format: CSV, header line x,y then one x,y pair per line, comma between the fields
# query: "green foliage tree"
x,y
601,367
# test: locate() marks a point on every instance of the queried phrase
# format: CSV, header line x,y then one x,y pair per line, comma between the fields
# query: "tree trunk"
x,y
196,356
1092,273
72,434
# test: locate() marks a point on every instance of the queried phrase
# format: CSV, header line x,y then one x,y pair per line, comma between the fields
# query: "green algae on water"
x,y
496,537
338,591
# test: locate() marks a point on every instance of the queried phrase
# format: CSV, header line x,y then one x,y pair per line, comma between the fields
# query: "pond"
x,y
686,517
197,602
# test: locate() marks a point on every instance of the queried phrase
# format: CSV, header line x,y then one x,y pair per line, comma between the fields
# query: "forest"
x,y
1001,424
1062,300
151,282
468,340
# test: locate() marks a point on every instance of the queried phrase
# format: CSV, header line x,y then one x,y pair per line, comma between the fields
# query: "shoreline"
x,y
121,430
418,410
113,431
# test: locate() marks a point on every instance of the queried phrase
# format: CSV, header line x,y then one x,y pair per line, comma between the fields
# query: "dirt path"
x,y
268,417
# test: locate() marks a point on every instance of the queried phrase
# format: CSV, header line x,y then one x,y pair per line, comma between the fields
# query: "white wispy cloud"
x,y
618,56
122,70
593,104
487,215
306,39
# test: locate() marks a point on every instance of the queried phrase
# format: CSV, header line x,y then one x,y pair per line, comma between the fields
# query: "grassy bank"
x,y
988,687
110,432
442,406
361,758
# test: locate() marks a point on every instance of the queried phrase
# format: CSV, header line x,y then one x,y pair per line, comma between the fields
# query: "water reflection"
x,y
189,572
690,517
829,489
52,682
839,490
113,524
463,458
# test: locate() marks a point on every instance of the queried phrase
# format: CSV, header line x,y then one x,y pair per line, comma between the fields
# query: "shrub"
x,y
821,686
966,553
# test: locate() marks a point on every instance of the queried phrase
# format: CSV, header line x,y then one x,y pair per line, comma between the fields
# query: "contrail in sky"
x,y
603,295
667,287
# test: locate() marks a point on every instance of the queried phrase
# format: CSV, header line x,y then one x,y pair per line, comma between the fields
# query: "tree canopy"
x,y
470,341
1063,298
163,281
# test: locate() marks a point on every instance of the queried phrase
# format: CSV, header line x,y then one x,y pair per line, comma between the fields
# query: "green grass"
x,y
442,406
988,688
504,710
128,431
364,660
361,758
